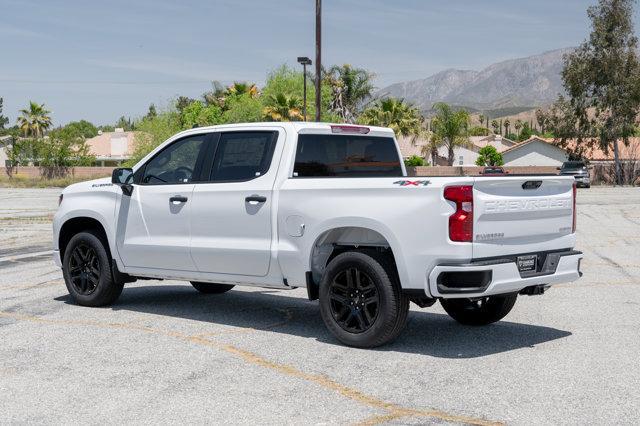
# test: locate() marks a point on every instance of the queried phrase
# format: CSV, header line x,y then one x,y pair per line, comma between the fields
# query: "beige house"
x,y
112,148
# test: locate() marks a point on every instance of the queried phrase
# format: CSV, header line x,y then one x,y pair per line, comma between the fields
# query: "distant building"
x,y
4,140
112,148
535,151
463,155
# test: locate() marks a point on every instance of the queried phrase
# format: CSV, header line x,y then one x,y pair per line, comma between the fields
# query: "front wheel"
x,y
361,301
482,311
87,271
211,288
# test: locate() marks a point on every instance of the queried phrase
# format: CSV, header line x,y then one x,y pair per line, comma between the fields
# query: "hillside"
x,y
508,87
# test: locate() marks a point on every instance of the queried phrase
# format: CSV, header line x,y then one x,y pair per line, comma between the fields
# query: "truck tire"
x,y
211,288
361,301
86,269
483,311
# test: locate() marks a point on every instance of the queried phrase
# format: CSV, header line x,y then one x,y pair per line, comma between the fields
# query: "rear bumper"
x,y
499,276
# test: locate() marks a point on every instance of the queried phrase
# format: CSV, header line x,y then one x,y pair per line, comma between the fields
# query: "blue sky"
x,y
99,60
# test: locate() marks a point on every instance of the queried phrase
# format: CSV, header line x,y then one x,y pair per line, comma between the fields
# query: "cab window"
x,y
175,164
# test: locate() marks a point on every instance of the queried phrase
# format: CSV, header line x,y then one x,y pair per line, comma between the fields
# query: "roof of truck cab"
x,y
296,126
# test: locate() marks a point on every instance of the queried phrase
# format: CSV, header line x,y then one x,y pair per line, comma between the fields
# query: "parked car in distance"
x,y
493,170
579,171
321,206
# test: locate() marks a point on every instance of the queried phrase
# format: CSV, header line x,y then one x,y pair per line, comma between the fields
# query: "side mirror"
x,y
123,177
557,168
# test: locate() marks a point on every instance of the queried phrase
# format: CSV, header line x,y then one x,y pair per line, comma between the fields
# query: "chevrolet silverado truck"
x,y
321,206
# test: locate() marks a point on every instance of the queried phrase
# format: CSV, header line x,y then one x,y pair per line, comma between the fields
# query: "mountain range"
x,y
508,87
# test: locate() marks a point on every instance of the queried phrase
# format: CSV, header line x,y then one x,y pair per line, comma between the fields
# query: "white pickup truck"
x,y
321,206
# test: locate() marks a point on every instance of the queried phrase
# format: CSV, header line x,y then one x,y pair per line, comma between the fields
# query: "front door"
x,y
153,223
231,214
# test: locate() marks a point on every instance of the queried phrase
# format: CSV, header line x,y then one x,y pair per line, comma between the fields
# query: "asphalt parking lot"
x,y
167,354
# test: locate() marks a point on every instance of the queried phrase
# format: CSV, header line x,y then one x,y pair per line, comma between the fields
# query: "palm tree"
x,y
238,88
283,107
518,126
404,119
507,123
481,117
450,128
496,126
350,87
35,120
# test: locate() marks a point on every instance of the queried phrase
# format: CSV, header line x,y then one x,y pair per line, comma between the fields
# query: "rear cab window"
x,y
339,156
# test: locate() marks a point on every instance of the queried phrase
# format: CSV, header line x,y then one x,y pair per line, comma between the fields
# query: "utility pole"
x,y
318,59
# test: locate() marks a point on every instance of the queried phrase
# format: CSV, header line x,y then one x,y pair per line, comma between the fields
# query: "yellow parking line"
x,y
394,411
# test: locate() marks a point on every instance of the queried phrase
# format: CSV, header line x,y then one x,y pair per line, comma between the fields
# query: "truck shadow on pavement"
x,y
427,333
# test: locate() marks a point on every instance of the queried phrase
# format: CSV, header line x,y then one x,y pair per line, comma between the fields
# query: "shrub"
x,y
414,161
489,156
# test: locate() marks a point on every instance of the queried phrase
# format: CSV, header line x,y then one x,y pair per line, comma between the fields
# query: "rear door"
x,y
515,215
231,214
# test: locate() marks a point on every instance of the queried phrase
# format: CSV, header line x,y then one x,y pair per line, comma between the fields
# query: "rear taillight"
x,y
461,221
575,190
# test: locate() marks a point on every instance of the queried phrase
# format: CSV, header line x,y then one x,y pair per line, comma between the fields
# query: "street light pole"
x,y
318,58
304,61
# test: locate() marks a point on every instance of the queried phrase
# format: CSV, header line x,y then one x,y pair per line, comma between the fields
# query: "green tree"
x,y
242,109
481,118
287,81
518,126
526,132
602,80
243,88
35,120
507,124
283,107
450,128
403,118
125,123
152,112
478,131
495,126
3,120
182,102
75,130
541,119
350,88
197,114
489,156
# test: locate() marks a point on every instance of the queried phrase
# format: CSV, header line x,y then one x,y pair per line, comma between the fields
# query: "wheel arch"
x,y
77,224
337,237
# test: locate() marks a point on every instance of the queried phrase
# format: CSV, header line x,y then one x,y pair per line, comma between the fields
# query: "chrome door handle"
x,y
255,199
178,199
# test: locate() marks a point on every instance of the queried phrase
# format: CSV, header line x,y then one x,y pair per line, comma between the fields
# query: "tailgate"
x,y
528,214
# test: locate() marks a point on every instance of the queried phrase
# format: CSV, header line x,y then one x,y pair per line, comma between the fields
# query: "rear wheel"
x,y
211,288
361,302
482,311
87,271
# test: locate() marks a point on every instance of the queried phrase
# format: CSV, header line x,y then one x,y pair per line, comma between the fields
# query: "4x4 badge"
x,y
411,182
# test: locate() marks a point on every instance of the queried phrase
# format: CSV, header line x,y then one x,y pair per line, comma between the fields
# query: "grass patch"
x,y
27,182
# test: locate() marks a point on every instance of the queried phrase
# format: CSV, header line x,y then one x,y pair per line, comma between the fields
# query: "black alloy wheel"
x,y
84,269
355,301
